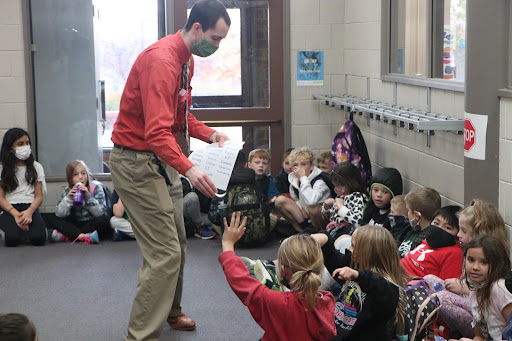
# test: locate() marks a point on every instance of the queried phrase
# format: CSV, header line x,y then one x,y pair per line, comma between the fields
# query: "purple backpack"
x,y
349,145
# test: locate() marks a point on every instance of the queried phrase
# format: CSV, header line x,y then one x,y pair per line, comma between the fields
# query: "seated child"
x,y
308,190
120,222
371,303
398,220
345,212
439,253
281,180
259,160
486,265
324,162
16,327
305,313
192,212
386,183
22,185
422,204
83,222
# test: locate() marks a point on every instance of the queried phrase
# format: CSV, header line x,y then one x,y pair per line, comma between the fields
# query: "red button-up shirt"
x,y
151,110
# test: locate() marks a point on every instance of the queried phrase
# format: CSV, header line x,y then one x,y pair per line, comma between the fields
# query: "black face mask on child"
x,y
398,222
439,238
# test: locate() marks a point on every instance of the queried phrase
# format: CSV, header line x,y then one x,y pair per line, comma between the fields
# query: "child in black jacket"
x,y
371,305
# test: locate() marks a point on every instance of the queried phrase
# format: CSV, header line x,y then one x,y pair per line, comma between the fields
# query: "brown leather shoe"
x,y
181,322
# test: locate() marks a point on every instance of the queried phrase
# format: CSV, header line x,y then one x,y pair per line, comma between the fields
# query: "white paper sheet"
x,y
217,162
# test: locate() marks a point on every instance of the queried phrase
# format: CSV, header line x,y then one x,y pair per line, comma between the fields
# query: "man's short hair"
x,y
207,13
325,158
259,153
398,203
424,200
302,154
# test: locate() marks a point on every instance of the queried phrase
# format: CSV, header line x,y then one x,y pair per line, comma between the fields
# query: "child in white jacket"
x,y
308,189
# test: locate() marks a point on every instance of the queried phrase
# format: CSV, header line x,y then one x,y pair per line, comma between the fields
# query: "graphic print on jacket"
x,y
347,309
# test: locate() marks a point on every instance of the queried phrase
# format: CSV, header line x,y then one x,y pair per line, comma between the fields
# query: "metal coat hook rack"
x,y
420,121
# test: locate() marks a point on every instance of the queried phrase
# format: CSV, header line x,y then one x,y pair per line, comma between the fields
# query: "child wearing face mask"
x,y
421,203
345,212
386,184
439,253
86,221
22,185
398,220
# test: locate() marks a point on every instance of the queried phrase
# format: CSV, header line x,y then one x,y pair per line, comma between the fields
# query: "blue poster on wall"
x,y
310,68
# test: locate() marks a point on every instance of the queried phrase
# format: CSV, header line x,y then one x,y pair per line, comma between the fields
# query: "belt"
x,y
133,150
156,161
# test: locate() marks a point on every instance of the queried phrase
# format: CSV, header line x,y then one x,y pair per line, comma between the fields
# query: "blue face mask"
x,y
204,48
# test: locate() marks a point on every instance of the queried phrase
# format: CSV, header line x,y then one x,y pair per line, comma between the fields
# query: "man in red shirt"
x,y
146,162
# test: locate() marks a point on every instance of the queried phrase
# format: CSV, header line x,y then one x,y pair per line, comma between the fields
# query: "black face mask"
x,y
439,238
398,222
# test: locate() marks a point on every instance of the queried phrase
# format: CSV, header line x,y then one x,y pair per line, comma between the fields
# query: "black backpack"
x,y
349,145
242,195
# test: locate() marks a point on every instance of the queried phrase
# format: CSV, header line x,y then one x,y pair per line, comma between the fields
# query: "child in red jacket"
x,y
439,254
305,313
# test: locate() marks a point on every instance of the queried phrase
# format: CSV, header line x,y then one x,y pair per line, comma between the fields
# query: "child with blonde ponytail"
x,y
304,313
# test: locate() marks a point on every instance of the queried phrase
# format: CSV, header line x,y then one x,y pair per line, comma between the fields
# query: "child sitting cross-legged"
x,y
304,313
308,190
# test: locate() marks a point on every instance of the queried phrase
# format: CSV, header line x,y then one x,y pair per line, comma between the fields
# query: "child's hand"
x,y
26,217
72,191
299,172
328,203
233,232
84,189
454,285
346,273
340,202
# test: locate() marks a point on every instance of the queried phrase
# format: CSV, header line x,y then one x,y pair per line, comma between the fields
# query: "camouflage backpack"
x,y
253,205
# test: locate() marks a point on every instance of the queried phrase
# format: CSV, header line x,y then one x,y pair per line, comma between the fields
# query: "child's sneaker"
x,y
249,264
91,238
118,236
58,237
265,272
204,233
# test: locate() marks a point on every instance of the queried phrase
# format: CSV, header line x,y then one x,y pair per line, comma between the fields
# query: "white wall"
x,y
349,32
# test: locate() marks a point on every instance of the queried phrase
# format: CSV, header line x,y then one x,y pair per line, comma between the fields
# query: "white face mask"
x,y
23,153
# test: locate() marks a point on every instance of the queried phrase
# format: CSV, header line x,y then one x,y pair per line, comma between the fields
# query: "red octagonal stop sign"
x,y
469,135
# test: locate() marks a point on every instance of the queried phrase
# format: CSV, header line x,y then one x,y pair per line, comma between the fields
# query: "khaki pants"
x,y
156,215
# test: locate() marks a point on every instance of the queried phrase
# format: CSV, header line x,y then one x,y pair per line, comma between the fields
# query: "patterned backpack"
x,y
421,309
349,145
244,196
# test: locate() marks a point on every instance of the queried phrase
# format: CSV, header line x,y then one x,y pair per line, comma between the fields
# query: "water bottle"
x,y
78,197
